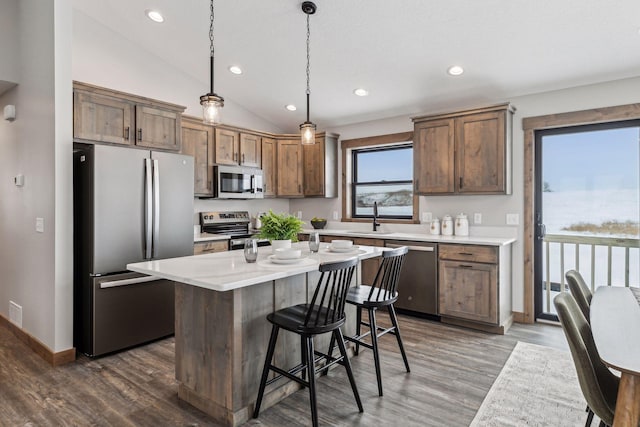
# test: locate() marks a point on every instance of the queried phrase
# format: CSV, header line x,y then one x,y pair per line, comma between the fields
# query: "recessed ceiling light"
x,y
455,70
154,15
290,107
361,92
235,69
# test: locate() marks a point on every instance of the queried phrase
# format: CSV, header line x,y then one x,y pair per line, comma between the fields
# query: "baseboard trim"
x,y
54,359
519,317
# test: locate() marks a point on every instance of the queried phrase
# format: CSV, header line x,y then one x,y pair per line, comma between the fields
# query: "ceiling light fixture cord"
x,y
308,65
212,51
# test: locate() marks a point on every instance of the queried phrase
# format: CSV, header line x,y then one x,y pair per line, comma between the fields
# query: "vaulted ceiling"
x,y
399,50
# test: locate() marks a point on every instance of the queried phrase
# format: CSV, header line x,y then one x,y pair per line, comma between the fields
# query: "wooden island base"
x,y
221,342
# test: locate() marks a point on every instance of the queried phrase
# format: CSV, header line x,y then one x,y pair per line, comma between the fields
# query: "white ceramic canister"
x,y
435,226
447,225
462,225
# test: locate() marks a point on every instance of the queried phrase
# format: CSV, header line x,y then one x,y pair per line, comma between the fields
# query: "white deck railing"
x,y
601,261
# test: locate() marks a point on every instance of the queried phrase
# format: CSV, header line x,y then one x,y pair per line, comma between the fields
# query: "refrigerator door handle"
x,y
148,210
125,282
156,205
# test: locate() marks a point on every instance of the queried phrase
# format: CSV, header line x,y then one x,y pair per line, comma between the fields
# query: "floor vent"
x,y
15,314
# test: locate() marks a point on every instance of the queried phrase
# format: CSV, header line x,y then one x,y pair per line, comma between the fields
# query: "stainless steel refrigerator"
x,y
130,205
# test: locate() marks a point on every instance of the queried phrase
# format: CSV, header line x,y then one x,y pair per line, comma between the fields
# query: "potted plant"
x,y
280,229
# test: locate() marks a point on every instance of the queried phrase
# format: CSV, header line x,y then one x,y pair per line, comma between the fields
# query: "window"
x,y
383,175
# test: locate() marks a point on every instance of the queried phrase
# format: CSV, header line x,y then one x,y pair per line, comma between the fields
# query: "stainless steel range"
x,y
230,223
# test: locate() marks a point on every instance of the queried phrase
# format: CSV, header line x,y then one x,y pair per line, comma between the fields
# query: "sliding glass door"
x,y
587,208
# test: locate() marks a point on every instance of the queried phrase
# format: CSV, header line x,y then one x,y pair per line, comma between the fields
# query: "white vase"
x,y
277,244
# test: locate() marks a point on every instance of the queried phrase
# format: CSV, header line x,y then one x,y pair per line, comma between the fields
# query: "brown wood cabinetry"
x,y
210,246
197,141
104,115
289,174
269,166
320,167
467,152
469,286
237,148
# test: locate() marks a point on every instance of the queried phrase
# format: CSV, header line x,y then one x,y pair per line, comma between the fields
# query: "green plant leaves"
x,y
280,227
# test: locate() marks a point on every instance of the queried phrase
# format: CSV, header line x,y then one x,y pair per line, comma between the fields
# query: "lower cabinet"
x,y
469,286
210,247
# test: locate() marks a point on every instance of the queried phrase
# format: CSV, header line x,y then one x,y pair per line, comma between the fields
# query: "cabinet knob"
x,y
461,182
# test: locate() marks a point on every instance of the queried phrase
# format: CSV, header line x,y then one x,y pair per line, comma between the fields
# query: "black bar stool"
x,y
382,293
325,313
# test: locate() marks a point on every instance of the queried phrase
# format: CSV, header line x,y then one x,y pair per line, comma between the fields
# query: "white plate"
x,y
275,260
343,250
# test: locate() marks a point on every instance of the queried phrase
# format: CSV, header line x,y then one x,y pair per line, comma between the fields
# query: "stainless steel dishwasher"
x,y
418,287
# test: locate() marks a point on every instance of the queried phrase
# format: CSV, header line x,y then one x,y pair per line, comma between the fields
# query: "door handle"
x,y
148,209
156,206
140,134
126,133
125,282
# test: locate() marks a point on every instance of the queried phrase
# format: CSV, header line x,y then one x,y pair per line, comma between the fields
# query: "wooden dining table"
x,y
615,322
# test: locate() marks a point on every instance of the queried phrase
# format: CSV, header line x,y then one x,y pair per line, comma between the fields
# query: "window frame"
x,y
355,183
347,147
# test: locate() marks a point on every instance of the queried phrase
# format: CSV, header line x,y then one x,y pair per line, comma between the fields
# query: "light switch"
x,y
513,219
18,180
40,225
335,215
477,218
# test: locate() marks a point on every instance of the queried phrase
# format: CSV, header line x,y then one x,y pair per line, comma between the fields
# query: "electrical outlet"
x,y
40,225
477,218
335,215
427,216
299,214
513,219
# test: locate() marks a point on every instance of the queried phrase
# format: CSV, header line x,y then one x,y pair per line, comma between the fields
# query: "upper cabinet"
x,y
467,152
289,174
198,141
269,166
237,148
320,167
104,115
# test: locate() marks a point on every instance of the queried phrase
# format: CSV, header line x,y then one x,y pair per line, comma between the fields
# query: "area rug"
x,y
538,386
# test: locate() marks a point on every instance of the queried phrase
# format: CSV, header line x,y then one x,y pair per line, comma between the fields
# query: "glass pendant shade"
x,y
211,109
308,133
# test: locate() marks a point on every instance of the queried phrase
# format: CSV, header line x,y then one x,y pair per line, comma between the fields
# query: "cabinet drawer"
x,y
210,247
485,254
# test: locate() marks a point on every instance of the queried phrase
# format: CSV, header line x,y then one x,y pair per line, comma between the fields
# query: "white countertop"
x,y
418,237
206,237
224,271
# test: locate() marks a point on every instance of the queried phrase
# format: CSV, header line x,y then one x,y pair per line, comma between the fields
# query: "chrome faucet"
x,y
375,216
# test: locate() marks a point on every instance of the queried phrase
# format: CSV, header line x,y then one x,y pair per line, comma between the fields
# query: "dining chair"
x,y
598,384
580,291
380,294
323,314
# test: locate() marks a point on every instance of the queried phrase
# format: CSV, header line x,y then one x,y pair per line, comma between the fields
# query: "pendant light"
x,y
308,129
211,103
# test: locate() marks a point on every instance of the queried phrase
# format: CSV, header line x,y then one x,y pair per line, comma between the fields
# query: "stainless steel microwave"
x,y
237,182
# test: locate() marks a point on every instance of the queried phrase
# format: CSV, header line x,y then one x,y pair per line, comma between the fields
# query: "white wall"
x,y
9,41
32,273
493,208
104,58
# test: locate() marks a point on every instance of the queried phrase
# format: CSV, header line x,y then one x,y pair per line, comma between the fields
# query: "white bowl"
x,y
341,244
288,253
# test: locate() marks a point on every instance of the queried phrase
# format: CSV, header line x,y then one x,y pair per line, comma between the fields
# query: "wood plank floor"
x,y
452,369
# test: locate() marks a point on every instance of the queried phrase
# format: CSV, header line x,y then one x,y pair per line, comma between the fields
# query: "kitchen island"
x,y
221,330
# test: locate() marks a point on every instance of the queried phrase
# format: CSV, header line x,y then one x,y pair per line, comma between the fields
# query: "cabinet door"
x,y
250,150
481,153
158,128
313,169
197,141
102,118
269,166
468,290
369,266
433,157
210,247
227,147
289,168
